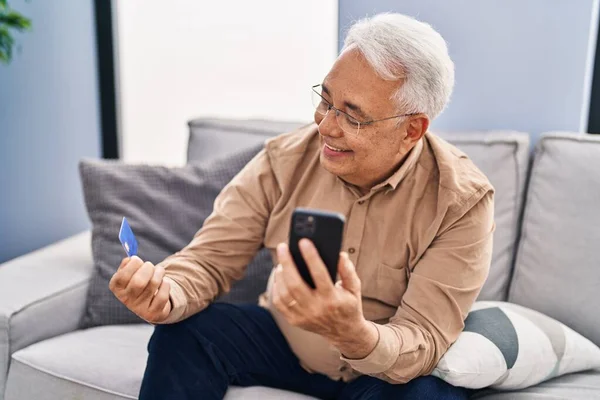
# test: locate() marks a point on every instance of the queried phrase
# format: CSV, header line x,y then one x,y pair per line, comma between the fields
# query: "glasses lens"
x,y
347,123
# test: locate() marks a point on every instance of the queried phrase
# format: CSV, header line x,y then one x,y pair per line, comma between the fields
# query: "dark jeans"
x,y
198,358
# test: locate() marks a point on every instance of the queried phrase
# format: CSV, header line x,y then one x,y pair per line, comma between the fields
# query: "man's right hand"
x,y
143,288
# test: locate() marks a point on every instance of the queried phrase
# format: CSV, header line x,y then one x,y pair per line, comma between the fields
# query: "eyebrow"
x,y
347,104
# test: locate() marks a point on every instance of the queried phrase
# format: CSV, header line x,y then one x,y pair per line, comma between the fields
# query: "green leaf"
x,y
10,20
6,45
5,36
15,20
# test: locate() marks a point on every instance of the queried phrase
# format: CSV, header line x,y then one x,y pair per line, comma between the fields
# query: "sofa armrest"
x,y
42,295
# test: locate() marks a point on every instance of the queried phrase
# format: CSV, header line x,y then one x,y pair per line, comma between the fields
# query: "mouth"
x,y
336,149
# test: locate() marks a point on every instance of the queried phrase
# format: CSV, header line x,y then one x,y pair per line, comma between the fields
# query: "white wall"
x,y
520,64
183,59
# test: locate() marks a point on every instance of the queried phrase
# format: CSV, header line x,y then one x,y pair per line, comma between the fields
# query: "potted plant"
x,y
10,21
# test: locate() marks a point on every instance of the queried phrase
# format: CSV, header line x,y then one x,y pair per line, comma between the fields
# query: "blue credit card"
x,y
127,239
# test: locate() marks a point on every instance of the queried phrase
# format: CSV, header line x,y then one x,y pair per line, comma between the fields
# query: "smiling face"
x,y
376,152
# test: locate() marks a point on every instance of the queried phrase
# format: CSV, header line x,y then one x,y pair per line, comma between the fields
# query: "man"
x,y
417,244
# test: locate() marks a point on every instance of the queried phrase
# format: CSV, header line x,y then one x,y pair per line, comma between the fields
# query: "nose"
x,y
328,125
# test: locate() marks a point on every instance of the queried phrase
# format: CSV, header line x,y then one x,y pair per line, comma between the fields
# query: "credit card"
x,y
127,239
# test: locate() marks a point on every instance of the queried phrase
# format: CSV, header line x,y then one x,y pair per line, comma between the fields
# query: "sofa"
x,y
546,257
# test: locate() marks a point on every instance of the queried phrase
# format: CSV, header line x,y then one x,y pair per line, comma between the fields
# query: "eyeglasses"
x,y
346,122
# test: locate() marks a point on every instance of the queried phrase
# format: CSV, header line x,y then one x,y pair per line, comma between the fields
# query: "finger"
x,y
289,272
140,280
279,302
124,262
275,299
316,266
159,301
121,278
349,278
281,288
152,287
166,310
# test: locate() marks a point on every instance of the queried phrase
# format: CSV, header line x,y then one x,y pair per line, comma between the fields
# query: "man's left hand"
x,y
333,311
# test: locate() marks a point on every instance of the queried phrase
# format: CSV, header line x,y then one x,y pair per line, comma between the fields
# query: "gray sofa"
x,y
546,257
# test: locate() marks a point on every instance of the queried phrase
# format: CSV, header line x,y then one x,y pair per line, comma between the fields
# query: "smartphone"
x,y
326,230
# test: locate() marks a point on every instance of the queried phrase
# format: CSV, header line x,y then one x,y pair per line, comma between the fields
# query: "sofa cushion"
x,y
557,270
580,386
103,363
165,207
210,138
107,363
502,156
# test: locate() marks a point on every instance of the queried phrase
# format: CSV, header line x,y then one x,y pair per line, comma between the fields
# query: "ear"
x,y
416,128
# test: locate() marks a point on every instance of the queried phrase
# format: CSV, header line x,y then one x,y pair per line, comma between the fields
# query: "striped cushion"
x,y
506,346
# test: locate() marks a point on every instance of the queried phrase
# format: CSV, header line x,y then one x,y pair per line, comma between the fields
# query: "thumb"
x,y
348,276
124,262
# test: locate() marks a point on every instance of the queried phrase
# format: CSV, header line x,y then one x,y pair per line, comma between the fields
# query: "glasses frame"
x,y
359,123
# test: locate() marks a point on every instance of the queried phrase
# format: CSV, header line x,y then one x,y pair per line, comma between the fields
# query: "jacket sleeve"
x,y
229,239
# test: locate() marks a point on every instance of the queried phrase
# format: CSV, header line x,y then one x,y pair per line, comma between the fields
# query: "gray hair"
x,y
398,46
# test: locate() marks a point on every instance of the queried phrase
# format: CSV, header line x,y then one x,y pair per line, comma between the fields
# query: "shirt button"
x,y
351,250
